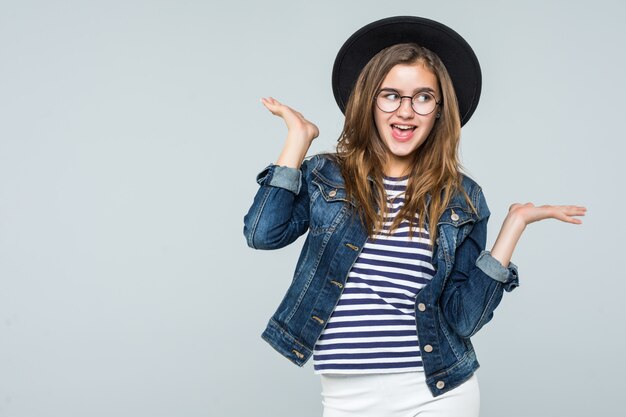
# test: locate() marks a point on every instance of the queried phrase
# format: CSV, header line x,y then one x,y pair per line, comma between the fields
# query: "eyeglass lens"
x,y
389,101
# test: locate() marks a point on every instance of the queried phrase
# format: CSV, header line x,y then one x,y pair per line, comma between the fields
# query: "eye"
x,y
422,98
390,95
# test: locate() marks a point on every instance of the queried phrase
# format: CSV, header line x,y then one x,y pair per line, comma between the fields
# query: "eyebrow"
x,y
417,90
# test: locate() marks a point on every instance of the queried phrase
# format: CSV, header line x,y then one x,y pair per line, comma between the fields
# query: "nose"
x,y
405,110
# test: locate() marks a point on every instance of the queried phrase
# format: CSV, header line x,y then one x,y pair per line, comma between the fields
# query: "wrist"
x,y
514,221
292,155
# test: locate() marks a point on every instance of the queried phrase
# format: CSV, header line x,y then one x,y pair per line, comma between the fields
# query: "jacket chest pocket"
x,y
329,206
453,227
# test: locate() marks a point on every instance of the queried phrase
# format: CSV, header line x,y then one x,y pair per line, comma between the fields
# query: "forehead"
x,y
406,78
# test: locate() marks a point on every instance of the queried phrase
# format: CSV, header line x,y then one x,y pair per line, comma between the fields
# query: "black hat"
x,y
452,49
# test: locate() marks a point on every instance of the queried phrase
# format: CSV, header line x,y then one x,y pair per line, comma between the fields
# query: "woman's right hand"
x,y
301,132
295,121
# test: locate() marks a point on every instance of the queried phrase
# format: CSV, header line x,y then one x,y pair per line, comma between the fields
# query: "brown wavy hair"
x,y
361,153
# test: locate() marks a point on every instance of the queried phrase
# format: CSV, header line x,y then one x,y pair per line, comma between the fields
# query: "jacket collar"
x,y
327,171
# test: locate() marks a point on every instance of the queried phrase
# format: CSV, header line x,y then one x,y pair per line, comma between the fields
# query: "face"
x,y
407,80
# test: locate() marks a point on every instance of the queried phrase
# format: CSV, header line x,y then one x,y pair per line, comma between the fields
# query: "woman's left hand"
x,y
528,213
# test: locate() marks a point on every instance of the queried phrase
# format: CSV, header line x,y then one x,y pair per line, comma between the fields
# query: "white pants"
x,y
402,394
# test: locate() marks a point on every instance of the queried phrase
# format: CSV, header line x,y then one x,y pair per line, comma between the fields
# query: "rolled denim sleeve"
x,y
282,177
492,267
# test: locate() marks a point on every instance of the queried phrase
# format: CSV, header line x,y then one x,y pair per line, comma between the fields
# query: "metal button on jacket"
x,y
421,307
454,216
332,193
428,348
441,384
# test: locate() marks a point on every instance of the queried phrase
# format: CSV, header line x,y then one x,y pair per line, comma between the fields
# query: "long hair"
x,y
361,152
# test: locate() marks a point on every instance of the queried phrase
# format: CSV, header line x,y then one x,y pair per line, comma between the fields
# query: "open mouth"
x,y
404,128
402,132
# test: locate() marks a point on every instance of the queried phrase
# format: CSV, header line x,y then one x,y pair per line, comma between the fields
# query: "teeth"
x,y
404,127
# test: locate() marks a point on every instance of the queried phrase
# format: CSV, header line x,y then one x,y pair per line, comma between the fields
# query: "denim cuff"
x,y
492,267
281,177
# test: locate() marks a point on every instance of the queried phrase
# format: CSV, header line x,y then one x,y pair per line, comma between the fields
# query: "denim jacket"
x,y
460,298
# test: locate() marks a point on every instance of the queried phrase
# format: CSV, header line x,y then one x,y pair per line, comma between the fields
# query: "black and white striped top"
x,y
372,329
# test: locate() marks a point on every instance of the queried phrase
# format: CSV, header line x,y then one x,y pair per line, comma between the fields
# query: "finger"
x,y
269,106
568,217
576,210
271,101
266,102
274,106
282,107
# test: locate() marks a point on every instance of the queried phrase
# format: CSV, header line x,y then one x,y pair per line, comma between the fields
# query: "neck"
x,y
397,169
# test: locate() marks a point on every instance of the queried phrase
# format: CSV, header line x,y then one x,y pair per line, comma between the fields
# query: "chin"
x,y
404,151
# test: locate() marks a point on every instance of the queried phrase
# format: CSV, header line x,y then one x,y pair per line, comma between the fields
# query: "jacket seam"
x,y
316,171
485,310
445,332
476,201
317,263
257,218
458,363
313,270
289,335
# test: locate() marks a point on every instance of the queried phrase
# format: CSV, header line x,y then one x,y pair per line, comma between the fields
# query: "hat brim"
x,y
455,53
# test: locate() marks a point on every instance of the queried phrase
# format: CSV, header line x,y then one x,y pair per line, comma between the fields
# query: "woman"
x,y
393,278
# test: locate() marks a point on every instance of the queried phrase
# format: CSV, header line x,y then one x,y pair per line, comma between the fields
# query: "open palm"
x,y
530,213
295,121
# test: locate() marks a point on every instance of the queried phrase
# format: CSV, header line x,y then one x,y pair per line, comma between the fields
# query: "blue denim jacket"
x,y
461,297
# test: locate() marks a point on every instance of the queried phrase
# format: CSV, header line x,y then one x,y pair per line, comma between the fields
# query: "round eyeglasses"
x,y
423,102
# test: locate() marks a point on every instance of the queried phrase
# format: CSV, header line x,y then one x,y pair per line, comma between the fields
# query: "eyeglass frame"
x,y
437,103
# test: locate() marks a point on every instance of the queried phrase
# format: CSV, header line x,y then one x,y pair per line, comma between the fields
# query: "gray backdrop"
x,y
130,136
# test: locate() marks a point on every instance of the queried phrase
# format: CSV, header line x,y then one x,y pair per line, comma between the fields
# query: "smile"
x,y
404,127
402,133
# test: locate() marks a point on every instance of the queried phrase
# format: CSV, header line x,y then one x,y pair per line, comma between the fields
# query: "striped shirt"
x,y
372,329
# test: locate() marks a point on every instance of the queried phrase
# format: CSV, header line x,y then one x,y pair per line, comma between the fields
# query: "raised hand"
x,y
295,121
300,135
521,215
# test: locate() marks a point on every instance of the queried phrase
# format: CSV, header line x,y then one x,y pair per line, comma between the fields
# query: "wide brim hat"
x,y
455,53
